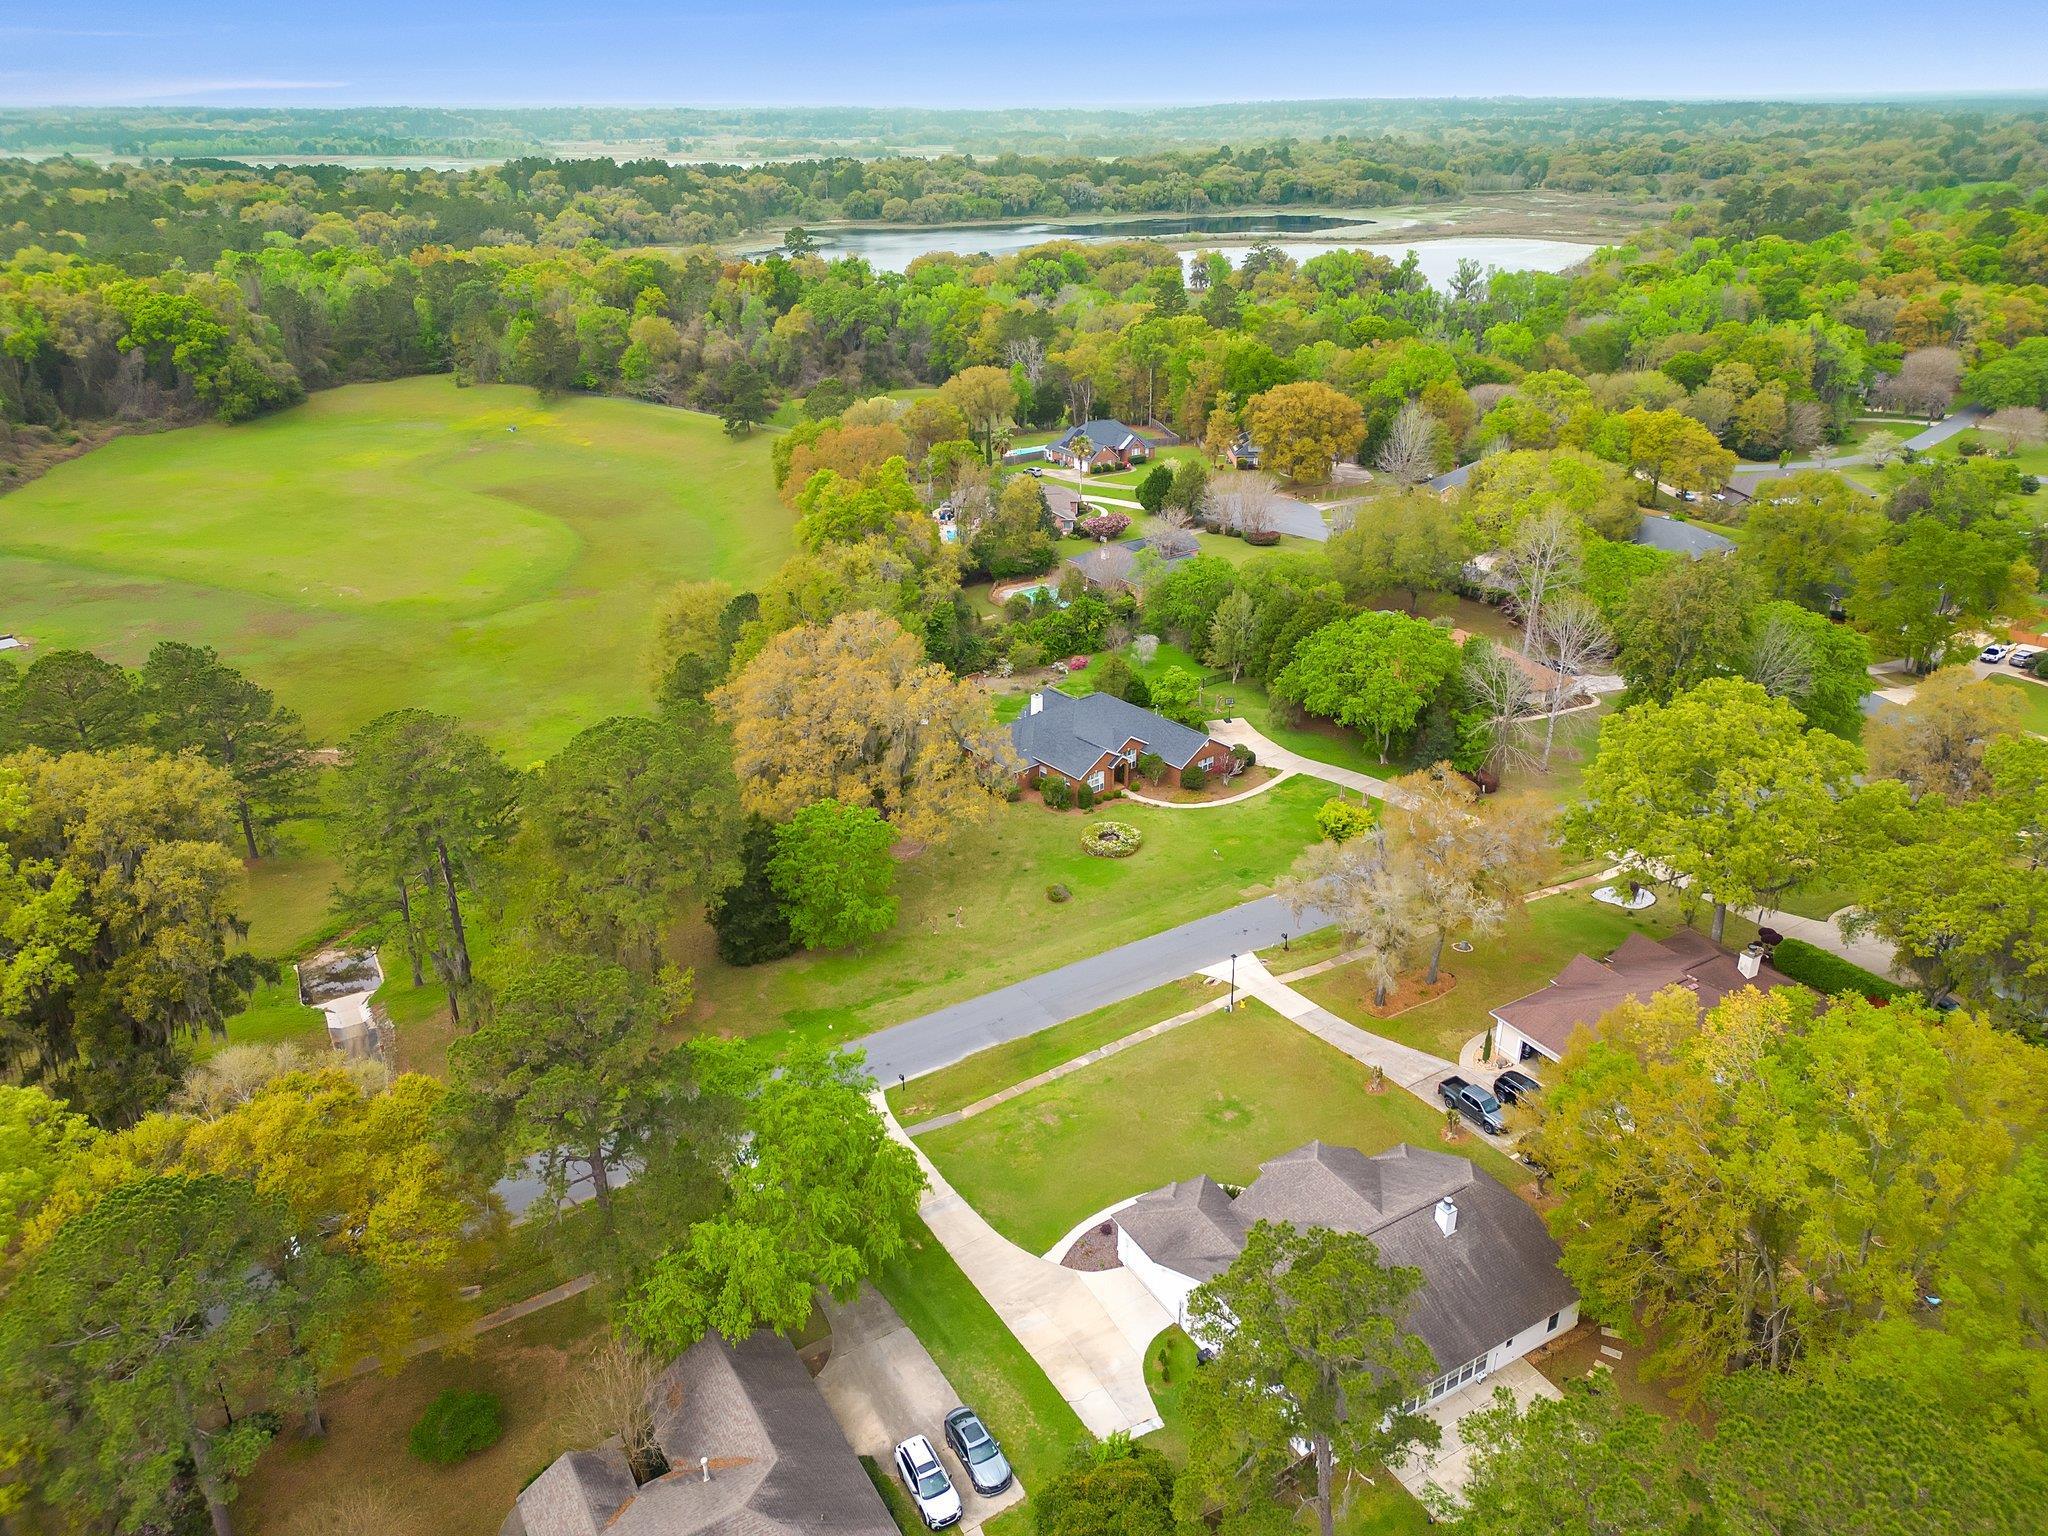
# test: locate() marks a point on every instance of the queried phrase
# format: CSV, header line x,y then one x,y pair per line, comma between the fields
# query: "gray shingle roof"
x,y
1495,1275
779,1464
1674,537
1103,433
1072,734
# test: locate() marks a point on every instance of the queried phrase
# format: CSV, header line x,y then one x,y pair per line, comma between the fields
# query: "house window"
x,y
1095,779
1553,1322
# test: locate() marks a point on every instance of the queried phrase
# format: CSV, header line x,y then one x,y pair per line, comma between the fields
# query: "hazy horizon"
x,y
964,54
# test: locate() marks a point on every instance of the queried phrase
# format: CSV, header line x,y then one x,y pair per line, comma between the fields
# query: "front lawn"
x,y
1537,941
1003,1066
982,1358
975,914
1218,1096
2033,699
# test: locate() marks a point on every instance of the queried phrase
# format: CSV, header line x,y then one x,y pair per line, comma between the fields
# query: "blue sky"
x,y
999,52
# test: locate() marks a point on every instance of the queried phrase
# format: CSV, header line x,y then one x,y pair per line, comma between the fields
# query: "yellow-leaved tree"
x,y
852,711
1302,428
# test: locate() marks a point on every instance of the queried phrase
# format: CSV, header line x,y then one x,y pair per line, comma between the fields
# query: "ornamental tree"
x,y
1301,429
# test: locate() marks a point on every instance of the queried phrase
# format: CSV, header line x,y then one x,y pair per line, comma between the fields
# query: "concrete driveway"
x,y
1448,1467
883,1387
1088,1332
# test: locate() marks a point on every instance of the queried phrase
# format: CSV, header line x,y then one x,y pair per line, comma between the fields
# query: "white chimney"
x,y
1037,702
1447,1215
704,1469
1751,961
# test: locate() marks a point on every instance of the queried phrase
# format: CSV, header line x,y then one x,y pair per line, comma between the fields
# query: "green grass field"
x,y
975,915
2033,699
1216,1096
475,551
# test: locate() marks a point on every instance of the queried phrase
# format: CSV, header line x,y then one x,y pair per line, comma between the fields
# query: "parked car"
x,y
1513,1086
2022,656
1992,655
987,1468
938,1504
1034,472
1474,1103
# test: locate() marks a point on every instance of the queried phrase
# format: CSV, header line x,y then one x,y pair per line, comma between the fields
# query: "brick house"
x,y
1096,740
1112,445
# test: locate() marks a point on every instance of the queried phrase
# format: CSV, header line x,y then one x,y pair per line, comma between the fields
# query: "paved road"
x,y
939,1039
1919,442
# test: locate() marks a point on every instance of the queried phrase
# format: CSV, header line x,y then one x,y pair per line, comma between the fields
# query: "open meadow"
x,y
475,551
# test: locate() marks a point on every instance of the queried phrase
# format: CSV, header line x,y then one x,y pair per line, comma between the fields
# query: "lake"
x,y
892,248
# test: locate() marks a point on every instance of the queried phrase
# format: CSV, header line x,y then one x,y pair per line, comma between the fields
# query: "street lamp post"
x,y
1232,1006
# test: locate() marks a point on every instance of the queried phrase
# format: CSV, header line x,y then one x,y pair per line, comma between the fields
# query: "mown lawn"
x,y
475,551
1002,1066
1216,1096
1537,941
975,914
982,1358
2033,699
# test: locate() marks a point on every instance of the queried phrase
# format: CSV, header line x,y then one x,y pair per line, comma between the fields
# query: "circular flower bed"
x,y
1112,839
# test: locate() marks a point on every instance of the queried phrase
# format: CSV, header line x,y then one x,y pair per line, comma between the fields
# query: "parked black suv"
x,y
1513,1086
1474,1103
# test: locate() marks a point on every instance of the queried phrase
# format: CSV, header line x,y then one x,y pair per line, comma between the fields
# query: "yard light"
x,y
1231,1006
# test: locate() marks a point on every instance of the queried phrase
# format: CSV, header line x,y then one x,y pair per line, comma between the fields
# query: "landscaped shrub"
x,y
1262,538
1112,839
1084,797
1194,777
457,1425
1831,974
1341,820
2039,665
1055,794
1243,757
1152,767
1103,526
1058,893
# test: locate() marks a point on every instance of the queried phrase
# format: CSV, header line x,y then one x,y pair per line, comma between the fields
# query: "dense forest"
x,y
1562,127
1768,312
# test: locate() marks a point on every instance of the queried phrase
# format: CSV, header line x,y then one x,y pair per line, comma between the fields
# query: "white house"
x,y
1491,1288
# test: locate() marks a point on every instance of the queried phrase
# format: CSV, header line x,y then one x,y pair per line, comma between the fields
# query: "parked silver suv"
x,y
938,1503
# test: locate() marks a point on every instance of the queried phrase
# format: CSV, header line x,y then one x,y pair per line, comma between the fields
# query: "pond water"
x,y
892,248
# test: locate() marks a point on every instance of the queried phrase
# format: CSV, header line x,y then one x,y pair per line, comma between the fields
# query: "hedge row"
x,y
1831,974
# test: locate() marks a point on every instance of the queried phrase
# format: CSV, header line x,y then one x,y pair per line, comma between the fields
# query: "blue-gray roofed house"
x,y
1097,738
1112,445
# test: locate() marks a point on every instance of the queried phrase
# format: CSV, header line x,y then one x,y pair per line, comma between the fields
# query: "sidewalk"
x,y
1406,1067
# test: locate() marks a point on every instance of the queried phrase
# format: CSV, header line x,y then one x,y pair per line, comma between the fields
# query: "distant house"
x,y
1244,453
1539,1027
1680,538
1097,738
1112,445
752,1451
1450,480
1064,504
1114,566
1491,1288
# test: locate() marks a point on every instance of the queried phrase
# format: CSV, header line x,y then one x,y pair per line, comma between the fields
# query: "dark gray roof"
x,y
1109,564
779,1464
1448,479
1192,1227
1072,734
1674,537
1493,1276
1103,433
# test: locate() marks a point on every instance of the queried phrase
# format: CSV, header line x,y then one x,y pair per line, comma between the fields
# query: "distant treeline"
x,y
1776,169
1474,126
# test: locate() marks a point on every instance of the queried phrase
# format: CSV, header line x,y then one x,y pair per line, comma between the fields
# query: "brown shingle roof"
x,y
1585,991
